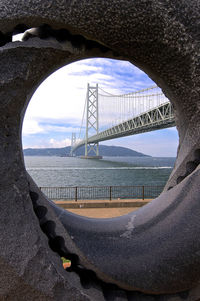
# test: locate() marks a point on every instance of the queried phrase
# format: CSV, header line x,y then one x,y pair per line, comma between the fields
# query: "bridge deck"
x,y
158,118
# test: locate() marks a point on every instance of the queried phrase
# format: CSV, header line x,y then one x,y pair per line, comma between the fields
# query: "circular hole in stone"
x,y
133,167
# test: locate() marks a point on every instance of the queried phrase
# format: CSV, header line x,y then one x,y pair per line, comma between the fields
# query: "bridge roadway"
x,y
157,118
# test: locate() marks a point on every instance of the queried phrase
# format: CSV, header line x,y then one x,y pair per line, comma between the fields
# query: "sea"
x,y
110,171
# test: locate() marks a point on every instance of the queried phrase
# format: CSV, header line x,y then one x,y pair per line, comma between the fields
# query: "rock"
x,y
157,251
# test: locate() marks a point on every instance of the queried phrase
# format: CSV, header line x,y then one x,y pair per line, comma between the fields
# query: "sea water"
x,y
110,171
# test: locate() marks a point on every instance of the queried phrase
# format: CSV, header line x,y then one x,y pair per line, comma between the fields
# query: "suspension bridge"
x,y
107,116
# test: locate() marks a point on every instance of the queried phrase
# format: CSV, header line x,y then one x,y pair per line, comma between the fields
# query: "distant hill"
x,y
104,150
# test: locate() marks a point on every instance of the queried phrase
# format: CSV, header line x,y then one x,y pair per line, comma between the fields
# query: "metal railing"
x,y
102,192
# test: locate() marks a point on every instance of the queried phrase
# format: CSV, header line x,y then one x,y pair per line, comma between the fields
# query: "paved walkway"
x,y
102,208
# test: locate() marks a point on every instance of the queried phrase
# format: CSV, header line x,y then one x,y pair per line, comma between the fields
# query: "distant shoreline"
x,y
104,150
103,156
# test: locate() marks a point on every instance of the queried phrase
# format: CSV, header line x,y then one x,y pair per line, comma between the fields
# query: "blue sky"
x,y
56,108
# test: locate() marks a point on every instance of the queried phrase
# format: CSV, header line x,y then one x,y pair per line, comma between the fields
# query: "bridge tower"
x,y
73,142
92,122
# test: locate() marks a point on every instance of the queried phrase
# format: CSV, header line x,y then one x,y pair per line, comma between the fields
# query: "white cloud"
x,y
61,129
97,61
59,143
75,69
61,96
50,143
31,126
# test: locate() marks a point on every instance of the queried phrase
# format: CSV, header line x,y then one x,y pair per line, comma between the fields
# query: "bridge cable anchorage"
x,y
110,116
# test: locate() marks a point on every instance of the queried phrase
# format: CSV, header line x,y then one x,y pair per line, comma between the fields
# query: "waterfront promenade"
x,y
102,208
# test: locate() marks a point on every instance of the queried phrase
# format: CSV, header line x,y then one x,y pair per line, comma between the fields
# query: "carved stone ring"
x,y
151,254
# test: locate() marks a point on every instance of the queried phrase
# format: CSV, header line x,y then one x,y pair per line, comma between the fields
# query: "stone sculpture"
x,y
152,254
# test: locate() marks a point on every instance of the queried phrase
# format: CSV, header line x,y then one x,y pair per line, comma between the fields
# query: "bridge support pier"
x,y
91,157
94,148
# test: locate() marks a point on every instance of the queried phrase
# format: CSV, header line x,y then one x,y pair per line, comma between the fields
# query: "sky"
x,y
56,108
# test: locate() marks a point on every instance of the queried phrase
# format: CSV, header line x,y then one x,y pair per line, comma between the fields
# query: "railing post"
x,y
143,192
110,193
76,194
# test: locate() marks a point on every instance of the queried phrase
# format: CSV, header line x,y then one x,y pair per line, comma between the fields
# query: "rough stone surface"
x,y
152,254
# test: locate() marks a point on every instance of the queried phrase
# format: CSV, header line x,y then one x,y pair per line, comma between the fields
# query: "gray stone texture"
x,y
151,254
